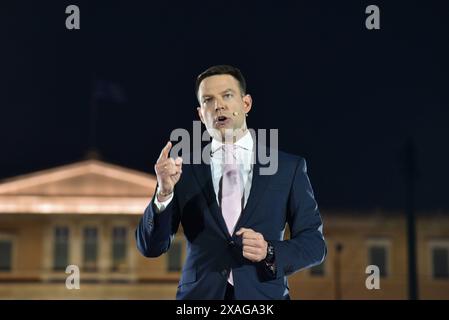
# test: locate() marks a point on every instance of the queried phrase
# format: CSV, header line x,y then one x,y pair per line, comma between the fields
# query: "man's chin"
x,y
225,133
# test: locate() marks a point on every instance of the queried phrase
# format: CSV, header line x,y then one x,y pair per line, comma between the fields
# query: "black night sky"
x,y
344,97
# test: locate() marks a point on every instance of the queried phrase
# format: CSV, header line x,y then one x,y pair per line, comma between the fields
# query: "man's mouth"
x,y
221,120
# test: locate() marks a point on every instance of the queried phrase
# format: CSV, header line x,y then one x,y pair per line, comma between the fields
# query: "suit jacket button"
x,y
231,243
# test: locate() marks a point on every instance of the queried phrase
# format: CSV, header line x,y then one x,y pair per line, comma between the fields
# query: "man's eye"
x,y
228,95
206,100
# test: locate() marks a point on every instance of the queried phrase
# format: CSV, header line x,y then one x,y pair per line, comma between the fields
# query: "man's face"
x,y
222,106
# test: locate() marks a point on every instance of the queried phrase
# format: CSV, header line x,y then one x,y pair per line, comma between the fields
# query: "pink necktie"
x,y
231,192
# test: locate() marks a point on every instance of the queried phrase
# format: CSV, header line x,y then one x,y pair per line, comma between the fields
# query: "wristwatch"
x,y
269,259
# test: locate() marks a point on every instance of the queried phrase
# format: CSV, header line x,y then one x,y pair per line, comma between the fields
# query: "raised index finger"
x,y
165,151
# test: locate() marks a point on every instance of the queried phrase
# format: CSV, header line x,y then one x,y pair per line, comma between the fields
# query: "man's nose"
x,y
219,105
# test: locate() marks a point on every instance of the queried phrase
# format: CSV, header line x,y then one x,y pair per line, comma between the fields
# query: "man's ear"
x,y
247,103
200,115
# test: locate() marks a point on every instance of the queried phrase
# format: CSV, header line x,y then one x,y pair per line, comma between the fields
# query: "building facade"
x,y
85,215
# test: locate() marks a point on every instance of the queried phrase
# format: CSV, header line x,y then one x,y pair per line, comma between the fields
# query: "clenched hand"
x,y
254,244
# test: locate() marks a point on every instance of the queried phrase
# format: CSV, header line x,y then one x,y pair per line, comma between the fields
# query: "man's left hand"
x,y
254,245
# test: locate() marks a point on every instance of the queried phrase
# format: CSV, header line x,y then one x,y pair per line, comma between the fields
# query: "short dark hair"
x,y
222,69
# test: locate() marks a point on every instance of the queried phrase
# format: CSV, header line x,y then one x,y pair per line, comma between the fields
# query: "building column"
x,y
47,265
75,245
131,251
104,250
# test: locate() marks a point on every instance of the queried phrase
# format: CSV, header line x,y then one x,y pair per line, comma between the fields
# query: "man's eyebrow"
x,y
210,95
227,90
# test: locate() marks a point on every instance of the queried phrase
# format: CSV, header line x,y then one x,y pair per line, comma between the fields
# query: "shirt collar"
x,y
245,143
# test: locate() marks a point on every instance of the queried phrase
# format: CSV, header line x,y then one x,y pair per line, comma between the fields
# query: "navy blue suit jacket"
x,y
274,200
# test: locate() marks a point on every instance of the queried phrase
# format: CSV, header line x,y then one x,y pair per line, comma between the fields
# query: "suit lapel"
x,y
258,187
203,175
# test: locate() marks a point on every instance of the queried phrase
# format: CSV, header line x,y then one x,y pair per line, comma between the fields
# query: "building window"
x,y
440,261
61,248
317,271
119,248
5,255
90,249
378,252
175,257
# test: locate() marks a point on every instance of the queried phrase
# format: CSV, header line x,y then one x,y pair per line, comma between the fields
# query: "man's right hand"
x,y
168,172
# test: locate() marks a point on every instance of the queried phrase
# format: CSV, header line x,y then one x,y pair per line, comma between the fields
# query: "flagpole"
x,y
92,152
410,175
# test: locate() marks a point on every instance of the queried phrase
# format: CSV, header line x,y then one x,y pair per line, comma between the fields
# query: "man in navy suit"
x,y
233,217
